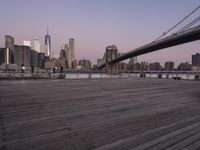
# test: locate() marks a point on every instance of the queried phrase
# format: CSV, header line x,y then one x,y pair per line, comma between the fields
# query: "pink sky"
x,y
95,24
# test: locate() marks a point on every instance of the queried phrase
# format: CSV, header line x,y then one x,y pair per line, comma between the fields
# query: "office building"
x,y
169,66
41,60
47,44
137,66
9,44
144,65
85,64
34,58
27,43
22,55
185,67
155,66
5,56
62,54
36,45
123,66
196,59
2,56
72,49
133,64
68,56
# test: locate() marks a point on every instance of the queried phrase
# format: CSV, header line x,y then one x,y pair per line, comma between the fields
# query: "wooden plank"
x,y
101,114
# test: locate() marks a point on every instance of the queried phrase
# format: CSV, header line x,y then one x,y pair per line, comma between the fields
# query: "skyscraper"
x,y
155,66
72,49
9,44
47,42
36,45
196,59
22,55
41,60
62,54
2,56
68,56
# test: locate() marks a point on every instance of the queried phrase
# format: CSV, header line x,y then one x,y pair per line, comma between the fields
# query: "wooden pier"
x,y
100,114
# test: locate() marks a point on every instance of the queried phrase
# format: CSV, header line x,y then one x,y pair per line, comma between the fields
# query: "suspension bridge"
x,y
186,34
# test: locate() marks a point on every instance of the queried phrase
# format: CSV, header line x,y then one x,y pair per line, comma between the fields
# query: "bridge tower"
x,y
111,54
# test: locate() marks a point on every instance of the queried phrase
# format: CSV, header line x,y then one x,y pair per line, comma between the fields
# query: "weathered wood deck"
x,y
116,114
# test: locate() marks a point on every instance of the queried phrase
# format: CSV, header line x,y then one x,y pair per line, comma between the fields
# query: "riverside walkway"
x,y
100,114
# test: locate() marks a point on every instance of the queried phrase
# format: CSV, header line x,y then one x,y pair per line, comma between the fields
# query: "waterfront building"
x,y
85,64
133,64
137,66
185,67
34,58
123,66
155,66
2,56
56,64
9,45
195,68
196,59
41,60
144,65
169,66
47,44
22,55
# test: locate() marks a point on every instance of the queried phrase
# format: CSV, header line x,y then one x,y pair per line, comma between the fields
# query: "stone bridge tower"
x,y
111,54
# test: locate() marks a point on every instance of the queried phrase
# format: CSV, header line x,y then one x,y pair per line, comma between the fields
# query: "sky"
x,y
95,24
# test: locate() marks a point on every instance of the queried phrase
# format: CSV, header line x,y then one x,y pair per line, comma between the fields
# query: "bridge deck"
x,y
99,114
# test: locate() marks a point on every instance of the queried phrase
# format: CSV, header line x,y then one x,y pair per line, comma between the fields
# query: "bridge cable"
x,y
177,23
189,25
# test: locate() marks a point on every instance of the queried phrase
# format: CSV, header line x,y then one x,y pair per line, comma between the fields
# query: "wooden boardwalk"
x,y
117,114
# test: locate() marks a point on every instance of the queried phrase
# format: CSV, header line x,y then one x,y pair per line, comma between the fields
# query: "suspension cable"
x,y
177,23
189,25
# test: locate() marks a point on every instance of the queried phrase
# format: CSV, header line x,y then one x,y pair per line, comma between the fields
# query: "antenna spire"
x,y
47,30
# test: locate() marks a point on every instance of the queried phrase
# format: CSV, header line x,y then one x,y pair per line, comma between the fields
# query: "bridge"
x,y
186,36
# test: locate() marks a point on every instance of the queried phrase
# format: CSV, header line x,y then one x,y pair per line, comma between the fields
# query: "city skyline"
x,y
97,24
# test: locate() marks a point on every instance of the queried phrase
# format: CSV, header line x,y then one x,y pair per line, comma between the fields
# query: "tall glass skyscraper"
x,y
71,48
9,45
36,45
47,43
